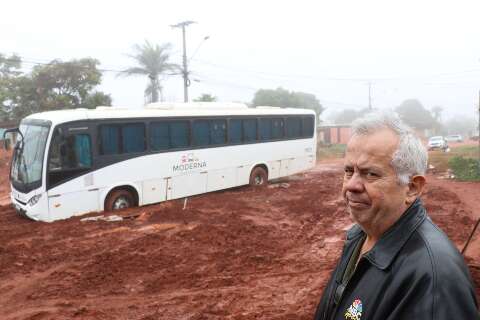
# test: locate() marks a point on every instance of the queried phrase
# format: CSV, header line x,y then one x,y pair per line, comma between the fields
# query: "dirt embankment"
x,y
243,253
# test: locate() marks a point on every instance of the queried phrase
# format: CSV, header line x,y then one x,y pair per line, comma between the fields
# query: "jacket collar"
x,y
387,248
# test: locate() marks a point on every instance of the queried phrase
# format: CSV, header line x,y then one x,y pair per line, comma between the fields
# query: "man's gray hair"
x,y
411,157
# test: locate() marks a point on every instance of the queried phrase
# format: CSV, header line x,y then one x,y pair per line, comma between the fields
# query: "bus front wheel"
x,y
258,177
119,199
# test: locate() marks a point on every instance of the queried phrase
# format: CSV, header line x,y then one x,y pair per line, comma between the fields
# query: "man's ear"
x,y
415,188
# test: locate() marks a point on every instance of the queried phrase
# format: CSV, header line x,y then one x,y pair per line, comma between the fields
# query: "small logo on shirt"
x,y
354,312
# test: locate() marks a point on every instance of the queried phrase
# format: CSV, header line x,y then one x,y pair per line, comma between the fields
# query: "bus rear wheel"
x,y
258,177
119,199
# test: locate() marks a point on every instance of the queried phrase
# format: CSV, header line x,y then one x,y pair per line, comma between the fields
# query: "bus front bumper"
x,y
20,210
23,209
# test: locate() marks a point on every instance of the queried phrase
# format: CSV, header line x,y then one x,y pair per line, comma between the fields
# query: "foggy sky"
x,y
428,50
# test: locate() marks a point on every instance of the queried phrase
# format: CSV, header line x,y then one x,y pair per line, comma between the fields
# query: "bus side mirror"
x,y
15,132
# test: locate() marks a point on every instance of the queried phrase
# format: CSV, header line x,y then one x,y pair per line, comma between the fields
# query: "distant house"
x,y
333,134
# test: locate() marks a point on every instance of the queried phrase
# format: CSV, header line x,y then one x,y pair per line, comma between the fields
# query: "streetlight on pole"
x,y
198,47
186,81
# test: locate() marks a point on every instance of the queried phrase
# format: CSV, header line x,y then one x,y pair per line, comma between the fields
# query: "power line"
x,y
241,86
275,76
353,79
55,61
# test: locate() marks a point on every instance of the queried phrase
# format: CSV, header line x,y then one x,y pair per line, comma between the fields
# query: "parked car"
x,y
454,138
437,142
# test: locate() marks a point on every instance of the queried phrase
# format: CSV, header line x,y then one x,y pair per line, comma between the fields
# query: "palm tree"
x,y
153,62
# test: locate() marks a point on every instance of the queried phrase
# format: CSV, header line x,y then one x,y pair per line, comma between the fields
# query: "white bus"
x,y
72,162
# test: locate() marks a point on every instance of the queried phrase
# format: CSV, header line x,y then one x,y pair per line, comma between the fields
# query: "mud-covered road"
x,y
243,253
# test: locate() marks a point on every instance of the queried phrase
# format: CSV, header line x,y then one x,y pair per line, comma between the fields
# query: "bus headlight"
x,y
33,200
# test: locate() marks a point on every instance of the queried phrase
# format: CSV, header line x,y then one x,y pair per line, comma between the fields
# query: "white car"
x,y
437,142
454,138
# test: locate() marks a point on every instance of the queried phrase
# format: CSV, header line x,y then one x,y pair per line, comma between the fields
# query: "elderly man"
x,y
396,264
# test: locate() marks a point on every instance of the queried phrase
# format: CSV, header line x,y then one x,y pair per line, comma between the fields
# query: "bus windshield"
x,y
27,161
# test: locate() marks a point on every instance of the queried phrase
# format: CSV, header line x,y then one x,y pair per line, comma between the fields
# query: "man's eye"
x,y
348,172
372,175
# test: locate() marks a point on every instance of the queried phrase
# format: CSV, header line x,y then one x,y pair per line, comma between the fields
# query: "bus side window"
x,y
109,139
71,152
307,127
133,137
294,127
249,130
69,156
159,136
235,131
265,129
83,150
179,134
201,132
218,131
277,128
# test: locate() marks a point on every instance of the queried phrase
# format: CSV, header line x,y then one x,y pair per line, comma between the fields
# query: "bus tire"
x,y
258,177
119,199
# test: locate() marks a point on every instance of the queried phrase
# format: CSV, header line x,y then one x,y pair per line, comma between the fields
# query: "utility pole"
x,y
186,80
479,131
370,96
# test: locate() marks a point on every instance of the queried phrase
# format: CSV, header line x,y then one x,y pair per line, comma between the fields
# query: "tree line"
x,y
51,86
416,115
73,84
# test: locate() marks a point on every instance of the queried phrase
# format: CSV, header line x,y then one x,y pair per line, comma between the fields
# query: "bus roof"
x,y
164,110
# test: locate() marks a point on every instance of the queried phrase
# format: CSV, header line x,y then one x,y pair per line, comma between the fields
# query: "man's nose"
x,y
354,183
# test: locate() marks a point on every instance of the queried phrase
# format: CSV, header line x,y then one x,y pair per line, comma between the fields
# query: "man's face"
x,y
370,188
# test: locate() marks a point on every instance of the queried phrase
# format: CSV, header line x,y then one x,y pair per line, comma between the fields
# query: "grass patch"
x,y
466,151
462,160
331,151
466,169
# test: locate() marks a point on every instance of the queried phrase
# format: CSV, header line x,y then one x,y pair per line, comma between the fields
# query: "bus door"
x,y
70,177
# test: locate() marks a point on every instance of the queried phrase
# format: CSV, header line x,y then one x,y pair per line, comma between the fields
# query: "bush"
x,y
465,168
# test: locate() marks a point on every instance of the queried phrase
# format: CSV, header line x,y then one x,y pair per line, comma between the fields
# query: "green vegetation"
x,y
50,86
465,168
206,97
463,161
466,151
330,151
413,113
287,99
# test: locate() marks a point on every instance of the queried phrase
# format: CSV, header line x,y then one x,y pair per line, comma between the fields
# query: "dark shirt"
x,y
412,272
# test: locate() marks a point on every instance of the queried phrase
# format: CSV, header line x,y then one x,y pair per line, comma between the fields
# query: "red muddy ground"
x,y
238,254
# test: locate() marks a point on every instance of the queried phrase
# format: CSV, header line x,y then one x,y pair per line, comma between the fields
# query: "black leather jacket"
x,y
412,272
